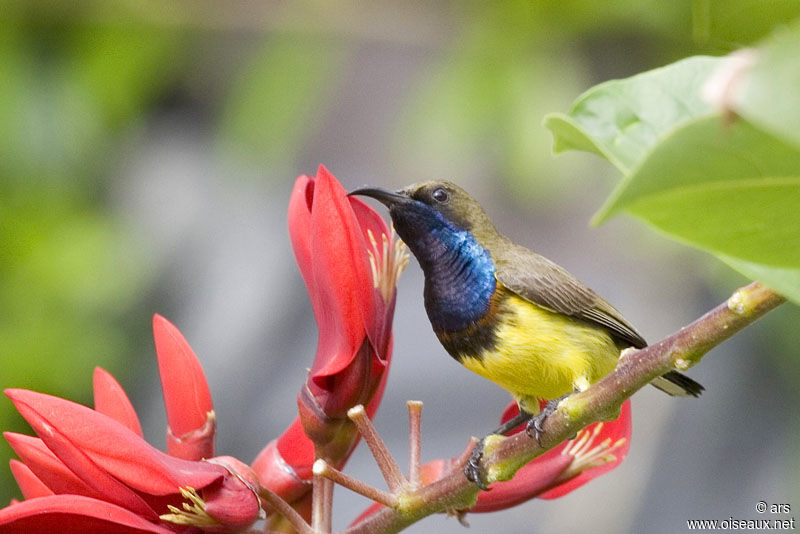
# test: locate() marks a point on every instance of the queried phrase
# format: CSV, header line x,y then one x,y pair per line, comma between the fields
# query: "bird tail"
x,y
678,385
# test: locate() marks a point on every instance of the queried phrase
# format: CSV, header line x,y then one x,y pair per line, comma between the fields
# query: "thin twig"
x,y
386,463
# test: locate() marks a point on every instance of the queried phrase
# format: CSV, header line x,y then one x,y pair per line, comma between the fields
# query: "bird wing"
x,y
542,282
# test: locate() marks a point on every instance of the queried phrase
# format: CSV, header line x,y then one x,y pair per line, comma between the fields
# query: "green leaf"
x,y
768,93
623,120
754,220
729,189
702,153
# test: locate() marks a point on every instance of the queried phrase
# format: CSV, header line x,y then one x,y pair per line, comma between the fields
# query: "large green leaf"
x,y
705,157
723,185
767,95
622,120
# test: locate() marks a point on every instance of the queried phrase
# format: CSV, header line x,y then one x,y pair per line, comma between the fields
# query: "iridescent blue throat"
x,y
459,272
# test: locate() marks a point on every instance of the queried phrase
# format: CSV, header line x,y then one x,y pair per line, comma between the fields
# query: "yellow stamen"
x,y
386,267
193,513
585,455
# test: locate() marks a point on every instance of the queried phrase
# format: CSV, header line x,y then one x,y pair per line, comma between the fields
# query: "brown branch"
x,y
601,401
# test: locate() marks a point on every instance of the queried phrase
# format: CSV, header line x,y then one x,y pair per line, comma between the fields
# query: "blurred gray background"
x,y
147,153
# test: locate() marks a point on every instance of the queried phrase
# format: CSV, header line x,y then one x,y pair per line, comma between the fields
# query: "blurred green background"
x,y
147,151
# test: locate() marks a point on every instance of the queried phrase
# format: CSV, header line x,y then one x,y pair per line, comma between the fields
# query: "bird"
x,y
505,312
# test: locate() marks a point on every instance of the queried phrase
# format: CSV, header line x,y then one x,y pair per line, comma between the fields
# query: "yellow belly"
x,y
543,355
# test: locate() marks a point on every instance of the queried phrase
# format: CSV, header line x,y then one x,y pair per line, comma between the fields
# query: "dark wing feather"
x,y
539,280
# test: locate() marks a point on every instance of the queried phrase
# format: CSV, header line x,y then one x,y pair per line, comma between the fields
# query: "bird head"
x,y
431,207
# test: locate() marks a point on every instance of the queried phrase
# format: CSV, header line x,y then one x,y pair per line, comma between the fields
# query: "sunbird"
x,y
506,312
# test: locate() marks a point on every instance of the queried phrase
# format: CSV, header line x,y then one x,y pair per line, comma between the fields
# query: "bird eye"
x,y
440,195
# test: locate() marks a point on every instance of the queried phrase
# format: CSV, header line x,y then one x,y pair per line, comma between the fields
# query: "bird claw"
x,y
534,426
473,470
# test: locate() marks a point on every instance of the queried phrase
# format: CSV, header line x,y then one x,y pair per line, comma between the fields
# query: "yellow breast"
x,y
540,354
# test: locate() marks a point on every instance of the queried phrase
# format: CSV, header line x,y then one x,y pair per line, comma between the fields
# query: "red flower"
x,y
351,282
91,470
350,264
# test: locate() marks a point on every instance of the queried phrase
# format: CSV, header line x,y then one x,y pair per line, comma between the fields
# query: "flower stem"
x,y
322,505
386,463
414,440
323,469
283,508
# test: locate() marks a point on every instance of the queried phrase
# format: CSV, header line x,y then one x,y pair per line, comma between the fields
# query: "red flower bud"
x,y
190,411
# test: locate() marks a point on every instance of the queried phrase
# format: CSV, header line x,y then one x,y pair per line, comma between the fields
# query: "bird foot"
x,y
473,470
534,426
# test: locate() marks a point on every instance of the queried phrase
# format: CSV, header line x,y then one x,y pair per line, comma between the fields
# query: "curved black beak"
x,y
384,196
